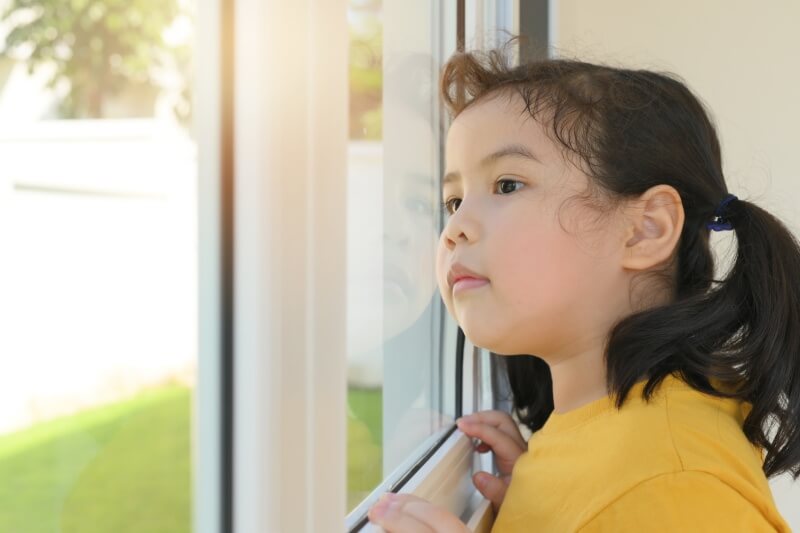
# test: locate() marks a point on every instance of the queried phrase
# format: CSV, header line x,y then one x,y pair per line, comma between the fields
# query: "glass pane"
x,y
395,389
98,277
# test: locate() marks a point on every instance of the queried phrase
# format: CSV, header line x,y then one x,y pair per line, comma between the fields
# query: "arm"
x,y
687,501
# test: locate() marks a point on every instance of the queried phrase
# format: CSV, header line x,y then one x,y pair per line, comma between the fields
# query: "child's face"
x,y
551,289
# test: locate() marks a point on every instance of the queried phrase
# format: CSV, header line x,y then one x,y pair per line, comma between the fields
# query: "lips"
x,y
458,271
463,284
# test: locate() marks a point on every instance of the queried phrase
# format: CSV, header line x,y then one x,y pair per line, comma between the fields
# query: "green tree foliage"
x,y
366,73
98,46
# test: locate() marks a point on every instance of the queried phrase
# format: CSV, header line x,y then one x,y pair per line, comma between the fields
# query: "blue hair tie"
x,y
721,222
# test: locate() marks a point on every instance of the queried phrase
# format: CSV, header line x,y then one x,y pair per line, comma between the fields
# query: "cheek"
x,y
442,266
441,269
540,274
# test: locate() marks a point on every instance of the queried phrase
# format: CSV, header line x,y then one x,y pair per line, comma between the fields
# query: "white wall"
x,y
740,57
98,277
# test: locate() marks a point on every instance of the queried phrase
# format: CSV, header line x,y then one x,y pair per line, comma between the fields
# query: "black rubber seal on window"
x,y
459,374
227,239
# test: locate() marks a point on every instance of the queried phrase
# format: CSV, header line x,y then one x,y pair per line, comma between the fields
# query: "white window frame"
x,y
290,116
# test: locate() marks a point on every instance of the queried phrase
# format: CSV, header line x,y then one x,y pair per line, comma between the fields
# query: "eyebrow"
x,y
511,150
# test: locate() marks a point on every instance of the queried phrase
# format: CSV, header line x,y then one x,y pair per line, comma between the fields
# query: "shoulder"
x,y
688,500
699,466
695,430
700,432
707,433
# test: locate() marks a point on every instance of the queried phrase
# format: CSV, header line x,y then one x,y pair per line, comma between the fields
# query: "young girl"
x,y
580,200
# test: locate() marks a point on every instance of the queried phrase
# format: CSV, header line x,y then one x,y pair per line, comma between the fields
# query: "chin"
x,y
496,344
487,342
501,350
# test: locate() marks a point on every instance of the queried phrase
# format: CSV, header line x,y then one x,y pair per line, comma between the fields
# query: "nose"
x,y
461,226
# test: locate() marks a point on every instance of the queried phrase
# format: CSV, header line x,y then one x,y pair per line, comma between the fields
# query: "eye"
x,y
505,181
446,205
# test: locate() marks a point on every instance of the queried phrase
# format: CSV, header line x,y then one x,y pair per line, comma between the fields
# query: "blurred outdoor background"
x,y
98,272
98,262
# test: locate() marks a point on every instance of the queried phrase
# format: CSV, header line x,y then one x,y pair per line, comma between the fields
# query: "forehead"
x,y
491,122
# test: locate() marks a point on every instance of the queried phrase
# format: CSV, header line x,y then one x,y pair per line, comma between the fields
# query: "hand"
x,y
499,433
400,513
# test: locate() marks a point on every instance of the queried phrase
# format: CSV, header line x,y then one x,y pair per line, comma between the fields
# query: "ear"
x,y
653,227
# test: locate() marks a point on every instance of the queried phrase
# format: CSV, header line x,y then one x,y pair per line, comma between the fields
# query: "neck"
x,y
577,380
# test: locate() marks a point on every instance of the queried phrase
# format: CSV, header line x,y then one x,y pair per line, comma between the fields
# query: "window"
x,y
413,356
97,229
398,399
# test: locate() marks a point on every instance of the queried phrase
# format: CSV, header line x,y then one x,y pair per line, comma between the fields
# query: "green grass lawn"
x,y
120,468
127,467
364,444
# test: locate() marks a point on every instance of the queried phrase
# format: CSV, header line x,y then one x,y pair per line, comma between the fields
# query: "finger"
x,y
502,445
510,429
492,417
437,518
388,514
493,488
499,419
405,512
507,427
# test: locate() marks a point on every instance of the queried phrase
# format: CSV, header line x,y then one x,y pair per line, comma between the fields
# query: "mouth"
x,y
459,272
465,283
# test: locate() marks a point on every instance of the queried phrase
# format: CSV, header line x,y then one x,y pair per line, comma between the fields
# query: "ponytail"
x,y
743,332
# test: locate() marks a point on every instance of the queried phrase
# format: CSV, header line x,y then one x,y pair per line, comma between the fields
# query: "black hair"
x,y
632,129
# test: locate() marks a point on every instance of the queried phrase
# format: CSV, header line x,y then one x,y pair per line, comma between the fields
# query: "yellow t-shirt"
x,y
678,463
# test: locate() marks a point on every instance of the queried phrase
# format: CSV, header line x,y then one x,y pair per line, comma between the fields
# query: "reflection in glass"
x,y
365,156
394,389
